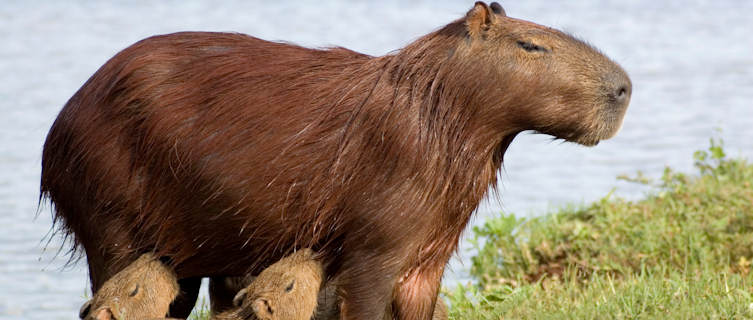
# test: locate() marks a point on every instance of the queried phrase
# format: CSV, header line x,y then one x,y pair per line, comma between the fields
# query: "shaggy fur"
x,y
224,153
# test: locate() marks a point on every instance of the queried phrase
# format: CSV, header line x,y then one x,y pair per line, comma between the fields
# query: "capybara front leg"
x,y
184,303
365,290
416,293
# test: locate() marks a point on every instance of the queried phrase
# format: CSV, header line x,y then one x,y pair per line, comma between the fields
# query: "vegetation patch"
x,y
683,252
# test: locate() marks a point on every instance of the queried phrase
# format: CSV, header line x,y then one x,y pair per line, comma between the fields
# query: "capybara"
x,y
144,289
224,153
286,290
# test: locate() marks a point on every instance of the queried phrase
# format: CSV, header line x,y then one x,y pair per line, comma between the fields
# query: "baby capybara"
x,y
224,153
286,290
142,290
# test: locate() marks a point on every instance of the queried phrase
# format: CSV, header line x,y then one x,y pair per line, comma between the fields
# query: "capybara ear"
x,y
479,19
497,9
239,297
263,309
84,311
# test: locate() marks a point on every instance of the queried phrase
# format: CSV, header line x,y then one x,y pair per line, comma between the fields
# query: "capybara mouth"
x,y
609,119
588,142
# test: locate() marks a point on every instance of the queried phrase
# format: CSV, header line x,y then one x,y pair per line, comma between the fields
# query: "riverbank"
x,y
684,252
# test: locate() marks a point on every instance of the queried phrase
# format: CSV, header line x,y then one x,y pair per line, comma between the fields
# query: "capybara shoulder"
x,y
144,289
286,290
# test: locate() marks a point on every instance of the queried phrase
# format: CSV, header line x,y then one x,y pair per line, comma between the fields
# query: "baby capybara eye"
x,y
531,47
290,286
134,292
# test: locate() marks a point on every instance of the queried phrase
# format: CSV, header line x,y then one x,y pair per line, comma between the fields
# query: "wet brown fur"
x,y
144,289
224,152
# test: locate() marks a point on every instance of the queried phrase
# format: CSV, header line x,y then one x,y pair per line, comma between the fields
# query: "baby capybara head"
x,y
554,83
142,290
286,290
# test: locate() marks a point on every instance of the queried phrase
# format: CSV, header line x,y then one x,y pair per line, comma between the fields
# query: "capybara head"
x,y
142,290
286,290
556,84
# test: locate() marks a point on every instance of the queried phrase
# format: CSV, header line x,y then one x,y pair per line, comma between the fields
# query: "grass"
x,y
683,252
200,311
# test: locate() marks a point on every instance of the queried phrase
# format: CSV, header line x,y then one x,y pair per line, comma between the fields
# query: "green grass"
x,y
683,252
200,311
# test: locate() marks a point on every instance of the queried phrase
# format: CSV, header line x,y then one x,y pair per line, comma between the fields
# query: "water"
x,y
691,63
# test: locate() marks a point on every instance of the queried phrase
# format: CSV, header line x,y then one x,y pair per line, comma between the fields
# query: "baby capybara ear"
x,y
239,297
479,19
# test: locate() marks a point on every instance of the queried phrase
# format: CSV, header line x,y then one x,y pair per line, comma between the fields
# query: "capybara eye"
x,y
290,286
531,47
134,292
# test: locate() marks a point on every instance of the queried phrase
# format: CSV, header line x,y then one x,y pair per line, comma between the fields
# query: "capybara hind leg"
x,y
102,267
416,294
184,303
98,272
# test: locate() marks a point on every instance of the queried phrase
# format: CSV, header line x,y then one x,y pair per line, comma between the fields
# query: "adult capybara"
x,y
144,289
225,153
287,290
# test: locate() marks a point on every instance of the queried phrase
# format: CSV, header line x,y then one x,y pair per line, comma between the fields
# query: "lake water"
x,y
691,63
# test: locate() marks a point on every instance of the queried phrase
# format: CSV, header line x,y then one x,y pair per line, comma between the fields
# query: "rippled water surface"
x,y
691,63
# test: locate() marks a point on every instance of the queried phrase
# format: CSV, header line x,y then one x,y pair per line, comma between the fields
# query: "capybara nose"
x,y
619,95
623,94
